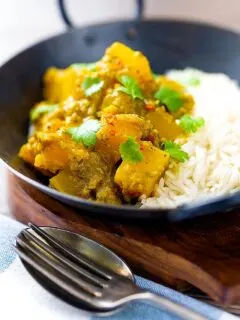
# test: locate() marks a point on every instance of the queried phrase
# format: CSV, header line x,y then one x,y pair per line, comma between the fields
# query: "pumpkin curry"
x,y
105,131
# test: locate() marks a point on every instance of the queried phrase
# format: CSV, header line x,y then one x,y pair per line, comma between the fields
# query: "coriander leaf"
x,y
130,87
90,66
191,124
92,85
175,151
130,151
85,133
170,98
42,109
194,81
155,75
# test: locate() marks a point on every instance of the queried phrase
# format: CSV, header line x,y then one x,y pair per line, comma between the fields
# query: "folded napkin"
x,y
21,297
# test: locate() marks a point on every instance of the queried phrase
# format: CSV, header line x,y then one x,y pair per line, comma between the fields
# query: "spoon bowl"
x,y
80,270
90,249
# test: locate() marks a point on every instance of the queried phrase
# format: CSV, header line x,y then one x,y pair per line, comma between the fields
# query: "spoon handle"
x,y
171,307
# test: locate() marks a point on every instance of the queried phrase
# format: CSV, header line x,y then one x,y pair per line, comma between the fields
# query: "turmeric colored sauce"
x,y
118,157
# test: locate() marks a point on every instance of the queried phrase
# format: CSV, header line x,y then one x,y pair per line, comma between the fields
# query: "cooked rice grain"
x,y
213,168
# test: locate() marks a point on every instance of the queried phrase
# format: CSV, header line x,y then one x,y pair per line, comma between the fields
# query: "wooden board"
x,y
203,252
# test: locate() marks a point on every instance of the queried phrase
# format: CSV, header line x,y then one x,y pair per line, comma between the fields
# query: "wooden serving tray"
x,y
203,252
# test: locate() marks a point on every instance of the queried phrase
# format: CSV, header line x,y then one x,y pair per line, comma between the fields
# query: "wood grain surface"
x,y
202,252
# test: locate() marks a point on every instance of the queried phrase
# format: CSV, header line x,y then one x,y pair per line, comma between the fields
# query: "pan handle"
x,y
69,24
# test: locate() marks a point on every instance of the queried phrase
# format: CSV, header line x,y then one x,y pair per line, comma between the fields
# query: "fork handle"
x,y
170,306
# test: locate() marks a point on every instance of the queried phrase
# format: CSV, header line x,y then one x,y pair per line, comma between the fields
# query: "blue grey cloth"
x,y
135,311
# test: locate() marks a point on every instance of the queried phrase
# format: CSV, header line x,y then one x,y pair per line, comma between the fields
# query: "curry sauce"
x,y
100,132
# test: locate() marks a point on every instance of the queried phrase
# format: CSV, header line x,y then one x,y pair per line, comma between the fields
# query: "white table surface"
x,y
24,22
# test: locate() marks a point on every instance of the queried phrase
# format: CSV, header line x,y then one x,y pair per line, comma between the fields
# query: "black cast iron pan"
x,y
168,44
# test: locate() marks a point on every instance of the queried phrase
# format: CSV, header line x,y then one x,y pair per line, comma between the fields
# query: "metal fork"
x,y
94,285
234,309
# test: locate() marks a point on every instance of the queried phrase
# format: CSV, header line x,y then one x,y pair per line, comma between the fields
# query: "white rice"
x,y
213,168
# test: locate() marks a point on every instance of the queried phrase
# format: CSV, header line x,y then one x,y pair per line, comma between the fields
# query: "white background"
x,y
23,22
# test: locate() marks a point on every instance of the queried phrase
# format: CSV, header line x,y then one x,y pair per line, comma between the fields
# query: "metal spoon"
x,y
85,273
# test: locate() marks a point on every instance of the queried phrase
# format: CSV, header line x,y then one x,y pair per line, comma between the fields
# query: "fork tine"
x,y
49,274
59,256
60,268
100,270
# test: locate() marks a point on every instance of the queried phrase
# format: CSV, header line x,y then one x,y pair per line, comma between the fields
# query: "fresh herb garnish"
x,y
194,81
175,151
187,79
155,75
170,98
191,124
130,86
89,66
42,109
92,85
85,133
130,151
